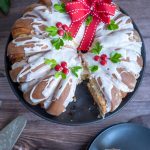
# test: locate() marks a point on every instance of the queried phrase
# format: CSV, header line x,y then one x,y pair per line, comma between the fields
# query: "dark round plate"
x,y
80,112
127,136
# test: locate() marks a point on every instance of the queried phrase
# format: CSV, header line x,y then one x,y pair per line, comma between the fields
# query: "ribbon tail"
x,y
74,28
89,35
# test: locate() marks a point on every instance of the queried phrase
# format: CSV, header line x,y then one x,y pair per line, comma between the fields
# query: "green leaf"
x,y
115,57
88,20
63,75
75,70
112,25
97,48
58,74
51,62
67,36
52,30
4,6
60,7
93,68
57,43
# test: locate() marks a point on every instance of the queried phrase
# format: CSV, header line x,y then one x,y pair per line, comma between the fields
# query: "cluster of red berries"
x,y
62,28
62,67
102,59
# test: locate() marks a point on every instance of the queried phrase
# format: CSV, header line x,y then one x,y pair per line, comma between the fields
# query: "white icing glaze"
x,y
120,40
39,45
48,91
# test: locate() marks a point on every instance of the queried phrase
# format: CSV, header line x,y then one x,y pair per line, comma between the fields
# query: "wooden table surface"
x,y
43,135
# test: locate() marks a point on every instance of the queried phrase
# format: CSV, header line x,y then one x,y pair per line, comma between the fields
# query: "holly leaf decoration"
x,y
58,74
97,48
57,43
88,20
75,70
115,57
67,36
51,62
60,7
4,6
52,30
93,68
112,25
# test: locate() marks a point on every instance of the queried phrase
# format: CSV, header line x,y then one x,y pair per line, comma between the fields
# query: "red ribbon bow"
x,y
79,10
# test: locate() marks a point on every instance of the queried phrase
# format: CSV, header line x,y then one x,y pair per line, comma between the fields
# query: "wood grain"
x,y
42,135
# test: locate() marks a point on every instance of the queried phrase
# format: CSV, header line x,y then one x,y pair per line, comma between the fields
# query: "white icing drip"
x,y
48,91
110,40
19,64
71,93
25,87
39,45
34,57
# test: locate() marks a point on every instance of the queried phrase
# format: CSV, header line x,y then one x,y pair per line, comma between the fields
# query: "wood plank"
x,y
43,135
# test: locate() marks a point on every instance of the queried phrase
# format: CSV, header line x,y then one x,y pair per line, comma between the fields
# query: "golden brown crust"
x,y
116,98
57,107
31,7
48,3
22,27
14,73
127,78
140,61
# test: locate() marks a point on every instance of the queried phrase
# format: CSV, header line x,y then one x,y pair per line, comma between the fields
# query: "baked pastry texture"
x,y
49,77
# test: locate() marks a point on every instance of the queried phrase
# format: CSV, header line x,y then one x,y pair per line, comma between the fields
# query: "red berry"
x,y
65,71
96,58
104,57
103,62
58,24
64,64
58,68
65,27
60,32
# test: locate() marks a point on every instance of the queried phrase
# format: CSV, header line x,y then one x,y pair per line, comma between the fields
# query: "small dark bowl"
x,y
78,113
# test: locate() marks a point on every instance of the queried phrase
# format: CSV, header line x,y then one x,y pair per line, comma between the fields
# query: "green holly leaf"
x,y
88,20
51,62
4,6
93,68
52,30
57,43
75,70
60,7
67,36
97,48
115,57
112,25
58,74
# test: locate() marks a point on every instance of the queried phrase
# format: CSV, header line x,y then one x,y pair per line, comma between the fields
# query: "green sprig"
x,y
57,43
67,36
60,7
58,74
52,30
75,70
97,48
115,57
51,62
93,68
113,26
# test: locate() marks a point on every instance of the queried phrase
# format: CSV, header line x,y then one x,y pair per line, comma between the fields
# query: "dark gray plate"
x,y
125,136
80,112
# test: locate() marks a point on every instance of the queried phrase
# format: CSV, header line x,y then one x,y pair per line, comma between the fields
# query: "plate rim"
x,y
111,127
29,107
